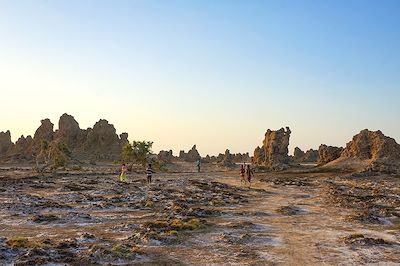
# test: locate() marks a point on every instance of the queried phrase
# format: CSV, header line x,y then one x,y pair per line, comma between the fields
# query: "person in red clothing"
x,y
249,173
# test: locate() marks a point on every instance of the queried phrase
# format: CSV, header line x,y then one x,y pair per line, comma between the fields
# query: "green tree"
x,y
137,152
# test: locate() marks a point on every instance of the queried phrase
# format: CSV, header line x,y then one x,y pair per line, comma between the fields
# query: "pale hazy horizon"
x,y
213,73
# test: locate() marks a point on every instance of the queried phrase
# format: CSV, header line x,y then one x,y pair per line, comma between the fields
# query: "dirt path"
x,y
311,231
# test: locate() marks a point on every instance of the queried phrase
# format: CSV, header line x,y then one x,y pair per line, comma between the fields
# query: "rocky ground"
x,y
87,217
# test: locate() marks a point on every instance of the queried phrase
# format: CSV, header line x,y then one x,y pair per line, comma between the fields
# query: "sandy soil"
x,y
87,217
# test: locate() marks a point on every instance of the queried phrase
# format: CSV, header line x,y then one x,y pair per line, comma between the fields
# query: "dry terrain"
x,y
87,217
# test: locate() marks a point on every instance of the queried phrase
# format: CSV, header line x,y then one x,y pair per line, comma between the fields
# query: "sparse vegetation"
x,y
52,155
138,152
21,242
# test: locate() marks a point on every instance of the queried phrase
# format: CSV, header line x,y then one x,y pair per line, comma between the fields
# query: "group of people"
x,y
124,172
246,173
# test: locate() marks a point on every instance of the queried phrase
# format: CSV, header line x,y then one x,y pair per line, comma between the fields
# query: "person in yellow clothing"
x,y
124,171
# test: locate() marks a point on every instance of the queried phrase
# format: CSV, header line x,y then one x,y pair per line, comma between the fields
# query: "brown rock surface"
x,y
101,142
241,158
328,153
259,156
228,159
5,142
69,131
274,152
192,155
298,155
379,152
22,150
44,132
309,156
166,156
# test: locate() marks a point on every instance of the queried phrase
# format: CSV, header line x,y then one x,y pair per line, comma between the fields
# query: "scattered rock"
x,y
360,239
290,210
45,218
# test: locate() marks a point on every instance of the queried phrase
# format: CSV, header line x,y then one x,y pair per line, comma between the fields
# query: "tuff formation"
x,y
377,151
310,156
166,156
70,132
5,142
328,153
274,152
101,142
227,159
192,155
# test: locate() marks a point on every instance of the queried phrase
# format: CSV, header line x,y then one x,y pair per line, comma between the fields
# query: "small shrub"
x,y
22,242
172,233
121,249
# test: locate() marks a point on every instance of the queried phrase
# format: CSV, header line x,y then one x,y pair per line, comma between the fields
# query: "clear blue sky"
x,y
214,73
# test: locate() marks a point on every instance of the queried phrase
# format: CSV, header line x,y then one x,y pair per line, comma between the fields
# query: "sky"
x,y
213,73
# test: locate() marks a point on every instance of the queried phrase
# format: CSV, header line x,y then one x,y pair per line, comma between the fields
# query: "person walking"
x,y
149,173
250,174
242,174
124,171
198,165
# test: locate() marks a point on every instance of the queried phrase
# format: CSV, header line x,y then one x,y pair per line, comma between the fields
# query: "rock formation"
x,y
309,156
5,142
298,155
44,132
70,132
241,158
328,153
377,151
166,156
274,152
22,150
259,156
192,155
101,142
228,159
